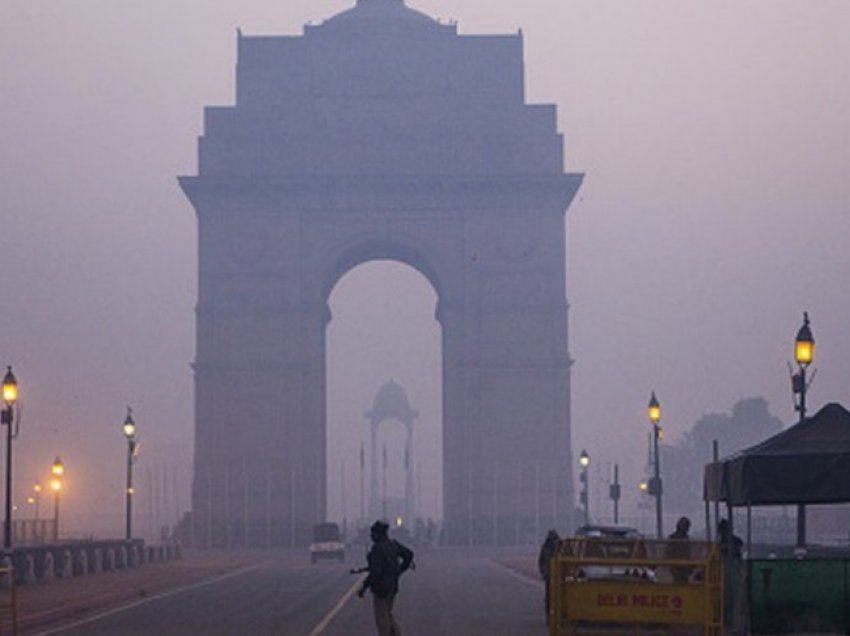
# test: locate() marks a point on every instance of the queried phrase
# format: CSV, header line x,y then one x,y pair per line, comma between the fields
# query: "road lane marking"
x,y
515,574
320,628
153,597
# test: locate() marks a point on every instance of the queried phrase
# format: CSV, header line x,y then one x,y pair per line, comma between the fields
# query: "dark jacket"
x,y
678,547
548,550
387,560
730,545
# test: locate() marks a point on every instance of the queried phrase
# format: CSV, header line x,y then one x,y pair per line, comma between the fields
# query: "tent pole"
x,y
715,451
731,518
749,529
801,526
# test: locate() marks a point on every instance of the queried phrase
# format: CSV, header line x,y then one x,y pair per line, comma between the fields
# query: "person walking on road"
x,y
387,560
548,550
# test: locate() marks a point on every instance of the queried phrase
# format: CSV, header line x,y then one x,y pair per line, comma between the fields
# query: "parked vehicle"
x,y
327,543
610,532
612,542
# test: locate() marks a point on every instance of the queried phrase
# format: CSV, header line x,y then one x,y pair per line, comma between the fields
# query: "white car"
x,y
609,532
612,542
327,543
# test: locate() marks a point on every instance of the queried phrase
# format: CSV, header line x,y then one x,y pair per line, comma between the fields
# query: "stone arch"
x,y
367,249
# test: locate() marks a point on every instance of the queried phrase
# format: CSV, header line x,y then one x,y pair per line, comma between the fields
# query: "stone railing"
x,y
67,560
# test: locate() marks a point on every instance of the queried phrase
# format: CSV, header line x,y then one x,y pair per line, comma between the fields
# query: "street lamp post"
x,y
643,487
584,462
57,469
655,487
804,353
384,486
10,396
130,434
37,488
362,484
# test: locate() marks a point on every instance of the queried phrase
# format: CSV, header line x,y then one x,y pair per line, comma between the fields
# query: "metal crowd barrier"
x,y
629,585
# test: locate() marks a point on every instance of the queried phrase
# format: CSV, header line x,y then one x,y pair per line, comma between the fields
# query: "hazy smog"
x,y
715,210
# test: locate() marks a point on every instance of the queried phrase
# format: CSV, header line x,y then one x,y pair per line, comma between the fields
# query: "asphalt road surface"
x,y
450,592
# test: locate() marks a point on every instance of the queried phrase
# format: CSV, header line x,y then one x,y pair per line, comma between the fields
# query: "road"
x,y
450,592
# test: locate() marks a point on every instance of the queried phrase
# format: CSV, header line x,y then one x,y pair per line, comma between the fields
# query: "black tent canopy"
x,y
808,463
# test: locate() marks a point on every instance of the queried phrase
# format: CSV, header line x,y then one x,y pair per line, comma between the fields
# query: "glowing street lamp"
x,y
804,353
804,345
10,388
584,463
655,488
654,409
129,428
57,469
10,396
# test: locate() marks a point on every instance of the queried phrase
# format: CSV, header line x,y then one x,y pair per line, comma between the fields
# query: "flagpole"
x,y
384,488
362,484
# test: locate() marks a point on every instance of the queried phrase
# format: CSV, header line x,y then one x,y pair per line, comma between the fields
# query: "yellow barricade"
x,y
632,583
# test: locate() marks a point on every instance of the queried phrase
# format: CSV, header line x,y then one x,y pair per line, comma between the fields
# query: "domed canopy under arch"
x,y
391,403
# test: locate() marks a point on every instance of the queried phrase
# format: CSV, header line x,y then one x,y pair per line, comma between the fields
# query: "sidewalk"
x,y
41,604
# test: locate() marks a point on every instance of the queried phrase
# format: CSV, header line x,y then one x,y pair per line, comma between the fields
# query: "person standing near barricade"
x,y
729,544
548,550
734,574
387,561
678,548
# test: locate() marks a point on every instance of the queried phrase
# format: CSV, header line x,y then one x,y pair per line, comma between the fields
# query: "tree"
x,y
749,423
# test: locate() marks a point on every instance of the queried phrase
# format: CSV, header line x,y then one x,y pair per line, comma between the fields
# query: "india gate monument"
x,y
380,134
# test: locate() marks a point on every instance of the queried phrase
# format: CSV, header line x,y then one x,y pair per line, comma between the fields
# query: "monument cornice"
x,y
395,192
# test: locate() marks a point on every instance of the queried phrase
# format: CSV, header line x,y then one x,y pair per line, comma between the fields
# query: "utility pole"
x,y
615,494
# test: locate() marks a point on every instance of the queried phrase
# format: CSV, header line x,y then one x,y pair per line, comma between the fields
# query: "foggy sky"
x,y
715,137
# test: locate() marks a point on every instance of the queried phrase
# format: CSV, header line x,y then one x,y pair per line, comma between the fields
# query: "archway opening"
x,y
383,330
